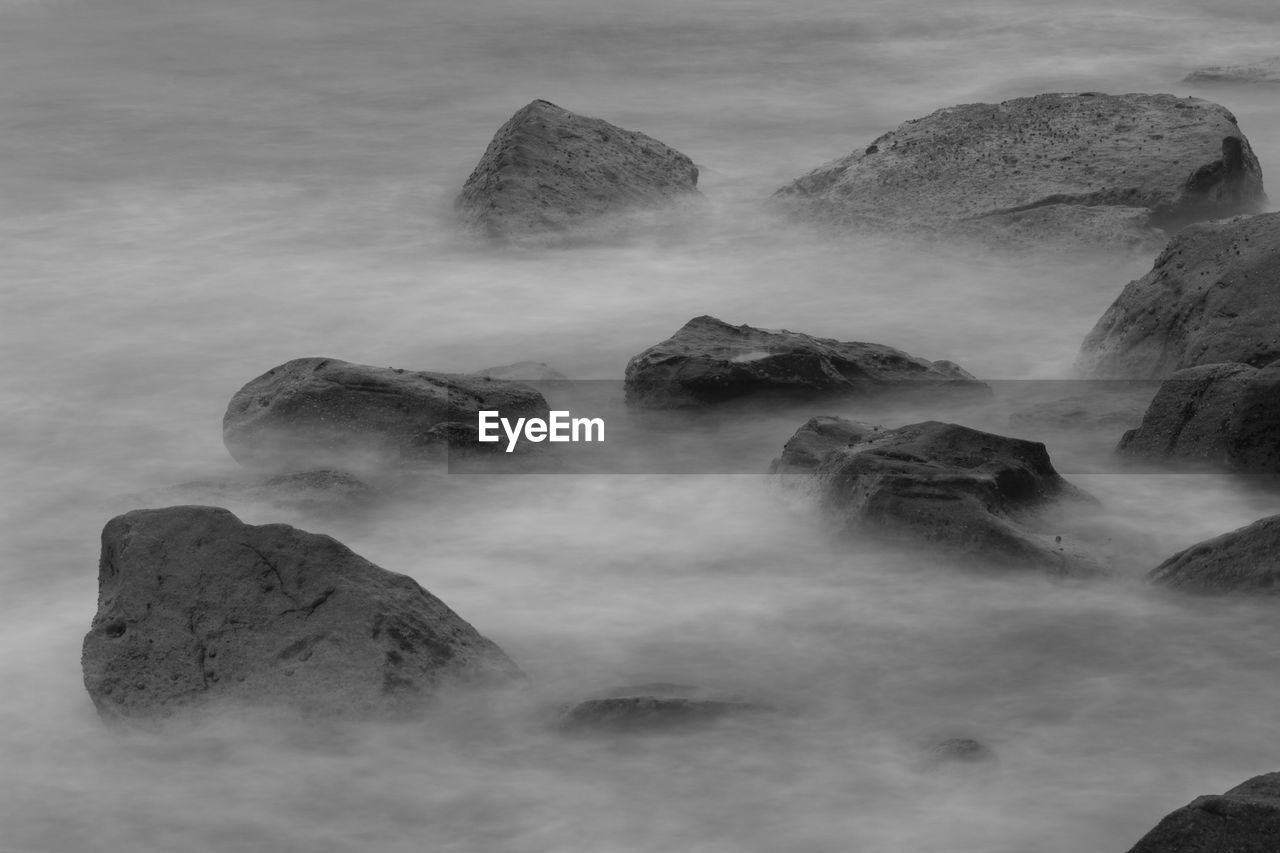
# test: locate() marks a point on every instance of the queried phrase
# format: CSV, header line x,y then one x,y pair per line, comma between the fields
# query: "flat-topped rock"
x,y
651,708
197,609
549,171
1263,72
1246,560
1210,298
972,494
709,361
1069,169
1221,415
1245,819
326,413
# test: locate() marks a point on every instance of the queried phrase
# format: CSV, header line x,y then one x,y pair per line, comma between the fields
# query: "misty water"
x,y
192,193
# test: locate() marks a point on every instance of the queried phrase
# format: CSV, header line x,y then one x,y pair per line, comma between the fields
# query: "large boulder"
x,y
325,413
1210,298
971,494
197,608
1245,560
1266,71
549,171
1245,819
709,361
1074,169
1224,415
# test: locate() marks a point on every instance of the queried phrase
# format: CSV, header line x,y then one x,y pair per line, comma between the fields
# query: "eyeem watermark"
x,y
559,426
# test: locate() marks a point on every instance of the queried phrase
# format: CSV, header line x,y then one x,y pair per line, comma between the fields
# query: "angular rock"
x,y
548,171
1209,299
1245,819
196,608
1224,415
648,708
709,361
1246,560
1079,169
813,442
325,413
972,494
1266,72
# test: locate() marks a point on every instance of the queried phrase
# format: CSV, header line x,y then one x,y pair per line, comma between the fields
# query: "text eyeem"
x,y
559,426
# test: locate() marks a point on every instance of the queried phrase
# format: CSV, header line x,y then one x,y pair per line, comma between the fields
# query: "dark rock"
x,y
1225,415
813,442
197,609
649,708
523,371
958,750
709,361
1265,72
549,171
1245,819
1210,298
1245,560
969,493
1079,169
325,413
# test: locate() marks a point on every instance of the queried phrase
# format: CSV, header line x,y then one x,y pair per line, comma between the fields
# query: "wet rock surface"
x,y
326,413
1245,819
1065,168
1208,299
1246,560
709,361
971,494
1222,415
196,609
549,171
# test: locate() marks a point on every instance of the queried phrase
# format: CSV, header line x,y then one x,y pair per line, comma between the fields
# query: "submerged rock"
x,y
1225,415
1245,819
1078,169
549,171
1244,560
197,608
709,361
1210,298
1266,71
649,708
958,751
326,413
969,493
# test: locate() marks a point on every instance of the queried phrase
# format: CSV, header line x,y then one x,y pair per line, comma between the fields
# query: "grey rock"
x,y
1245,819
326,413
958,751
1246,560
1087,169
1222,415
551,171
1210,298
523,371
971,494
651,708
709,361
197,609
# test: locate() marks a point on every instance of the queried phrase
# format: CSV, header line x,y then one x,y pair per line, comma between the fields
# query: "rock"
x,y
813,442
324,413
548,171
970,494
1225,415
1082,169
523,371
1265,72
197,609
1245,819
648,708
958,751
1245,560
709,361
1209,299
